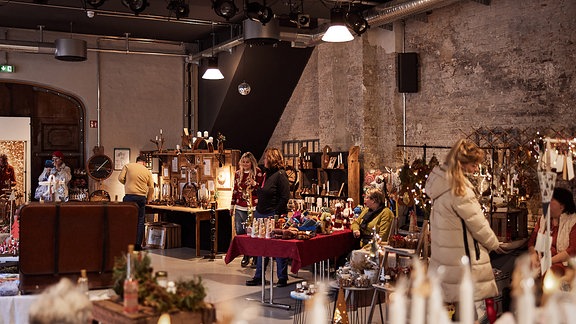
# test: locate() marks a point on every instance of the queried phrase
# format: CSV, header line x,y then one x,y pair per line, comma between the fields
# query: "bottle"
x,y
338,218
82,283
130,285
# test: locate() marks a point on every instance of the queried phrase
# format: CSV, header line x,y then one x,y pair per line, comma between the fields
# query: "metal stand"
x,y
270,302
212,255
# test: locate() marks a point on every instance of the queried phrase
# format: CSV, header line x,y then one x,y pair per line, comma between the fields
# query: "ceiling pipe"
x,y
376,17
119,14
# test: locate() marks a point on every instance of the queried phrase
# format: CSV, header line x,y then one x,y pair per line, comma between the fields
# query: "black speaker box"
x,y
407,72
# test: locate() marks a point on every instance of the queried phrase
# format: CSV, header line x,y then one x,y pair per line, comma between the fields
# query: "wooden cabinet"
x,y
184,175
329,175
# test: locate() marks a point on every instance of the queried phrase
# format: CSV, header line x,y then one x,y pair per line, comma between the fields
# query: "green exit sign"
x,y
7,68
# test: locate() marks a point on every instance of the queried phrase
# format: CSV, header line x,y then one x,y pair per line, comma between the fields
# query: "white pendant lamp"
x,y
337,32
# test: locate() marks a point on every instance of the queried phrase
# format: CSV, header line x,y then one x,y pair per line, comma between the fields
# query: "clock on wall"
x,y
99,167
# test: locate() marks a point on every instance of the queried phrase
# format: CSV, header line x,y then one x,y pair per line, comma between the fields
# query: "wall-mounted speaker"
x,y
407,72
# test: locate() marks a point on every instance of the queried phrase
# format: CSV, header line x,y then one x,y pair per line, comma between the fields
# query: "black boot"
x,y
245,261
254,262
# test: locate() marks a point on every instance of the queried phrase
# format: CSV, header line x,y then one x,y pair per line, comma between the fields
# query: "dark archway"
x,y
57,122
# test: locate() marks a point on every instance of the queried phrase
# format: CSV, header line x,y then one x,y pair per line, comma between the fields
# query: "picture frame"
x,y
332,162
155,237
121,158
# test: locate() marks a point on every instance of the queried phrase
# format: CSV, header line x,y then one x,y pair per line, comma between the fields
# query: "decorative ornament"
x,y
244,88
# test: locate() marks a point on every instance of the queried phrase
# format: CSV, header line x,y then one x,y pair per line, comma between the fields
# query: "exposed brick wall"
x,y
510,64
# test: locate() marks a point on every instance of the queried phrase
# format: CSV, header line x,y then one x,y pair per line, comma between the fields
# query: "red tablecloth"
x,y
302,252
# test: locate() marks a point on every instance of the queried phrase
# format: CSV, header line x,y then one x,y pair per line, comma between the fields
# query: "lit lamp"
x,y
213,73
337,32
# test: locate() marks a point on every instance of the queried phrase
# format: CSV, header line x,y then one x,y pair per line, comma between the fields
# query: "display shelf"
x,y
327,171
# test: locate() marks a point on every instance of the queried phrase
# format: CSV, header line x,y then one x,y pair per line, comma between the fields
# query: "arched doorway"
x,y
57,123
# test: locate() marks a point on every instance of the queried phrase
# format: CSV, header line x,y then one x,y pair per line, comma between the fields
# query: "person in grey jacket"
x,y
458,225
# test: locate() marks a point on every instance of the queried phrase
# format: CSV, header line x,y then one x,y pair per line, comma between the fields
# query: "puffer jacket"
x,y
447,239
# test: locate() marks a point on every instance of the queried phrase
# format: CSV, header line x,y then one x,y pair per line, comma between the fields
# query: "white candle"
x,y
194,140
177,147
156,137
418,306
199,134
205,133
398,305
210,139
526,301
466,309
160,131
435,304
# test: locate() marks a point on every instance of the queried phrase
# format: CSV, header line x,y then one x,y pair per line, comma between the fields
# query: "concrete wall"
x,y
510,64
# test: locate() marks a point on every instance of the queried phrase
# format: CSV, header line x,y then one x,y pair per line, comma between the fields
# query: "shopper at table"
x,y
374,215
563,225
273,196
458,225
60,174
138,188
247,180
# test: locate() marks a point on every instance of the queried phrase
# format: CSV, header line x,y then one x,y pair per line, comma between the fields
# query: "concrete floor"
x,y
225,285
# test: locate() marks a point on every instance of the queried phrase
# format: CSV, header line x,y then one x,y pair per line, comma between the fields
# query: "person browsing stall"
x,y
374,215
273,196
563,225
247,180
62,176
458,225
138,188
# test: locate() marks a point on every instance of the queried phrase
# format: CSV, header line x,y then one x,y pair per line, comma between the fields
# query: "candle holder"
x,y
159,141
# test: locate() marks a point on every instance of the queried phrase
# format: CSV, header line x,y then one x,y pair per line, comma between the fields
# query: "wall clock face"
x,y
99,167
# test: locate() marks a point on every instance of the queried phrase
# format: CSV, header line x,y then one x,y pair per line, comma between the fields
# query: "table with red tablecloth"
x,y
302,252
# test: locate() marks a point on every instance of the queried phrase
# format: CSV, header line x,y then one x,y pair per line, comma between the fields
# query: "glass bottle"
x,y
130,284
82,283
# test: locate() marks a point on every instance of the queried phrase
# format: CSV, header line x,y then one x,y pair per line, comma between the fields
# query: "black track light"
x,y
224,8
179,7
357,23
137,6
259,12
95,3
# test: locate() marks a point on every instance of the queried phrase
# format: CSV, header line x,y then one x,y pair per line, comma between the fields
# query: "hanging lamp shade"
x,y
70,49
213,73
337,32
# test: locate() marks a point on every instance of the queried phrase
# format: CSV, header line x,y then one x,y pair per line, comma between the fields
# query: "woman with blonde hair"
x,y
458,225
273,196
247,180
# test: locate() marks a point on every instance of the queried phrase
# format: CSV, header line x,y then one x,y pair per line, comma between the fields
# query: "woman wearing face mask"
x,y
563,225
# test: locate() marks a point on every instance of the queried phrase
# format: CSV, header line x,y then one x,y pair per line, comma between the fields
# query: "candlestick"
x,y
398,305
466,310
418,306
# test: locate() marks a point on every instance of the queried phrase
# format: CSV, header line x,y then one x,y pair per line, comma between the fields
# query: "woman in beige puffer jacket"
x,y
455,205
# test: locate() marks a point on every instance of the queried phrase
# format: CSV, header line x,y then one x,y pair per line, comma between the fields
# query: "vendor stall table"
x,y
186,216
302,252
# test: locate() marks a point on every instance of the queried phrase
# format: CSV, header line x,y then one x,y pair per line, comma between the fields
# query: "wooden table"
x,y
109,311
198,215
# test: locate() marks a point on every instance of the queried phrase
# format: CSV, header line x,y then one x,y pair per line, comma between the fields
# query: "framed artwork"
x,y
121,157
223,179
155,237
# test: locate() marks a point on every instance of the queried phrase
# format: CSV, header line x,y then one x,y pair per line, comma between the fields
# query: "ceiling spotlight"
x,y
137,6
179,7
259,12
224,8
357,23
213,73
95,3
337,32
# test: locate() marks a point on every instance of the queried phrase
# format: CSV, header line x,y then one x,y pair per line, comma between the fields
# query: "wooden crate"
x,y
511,224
